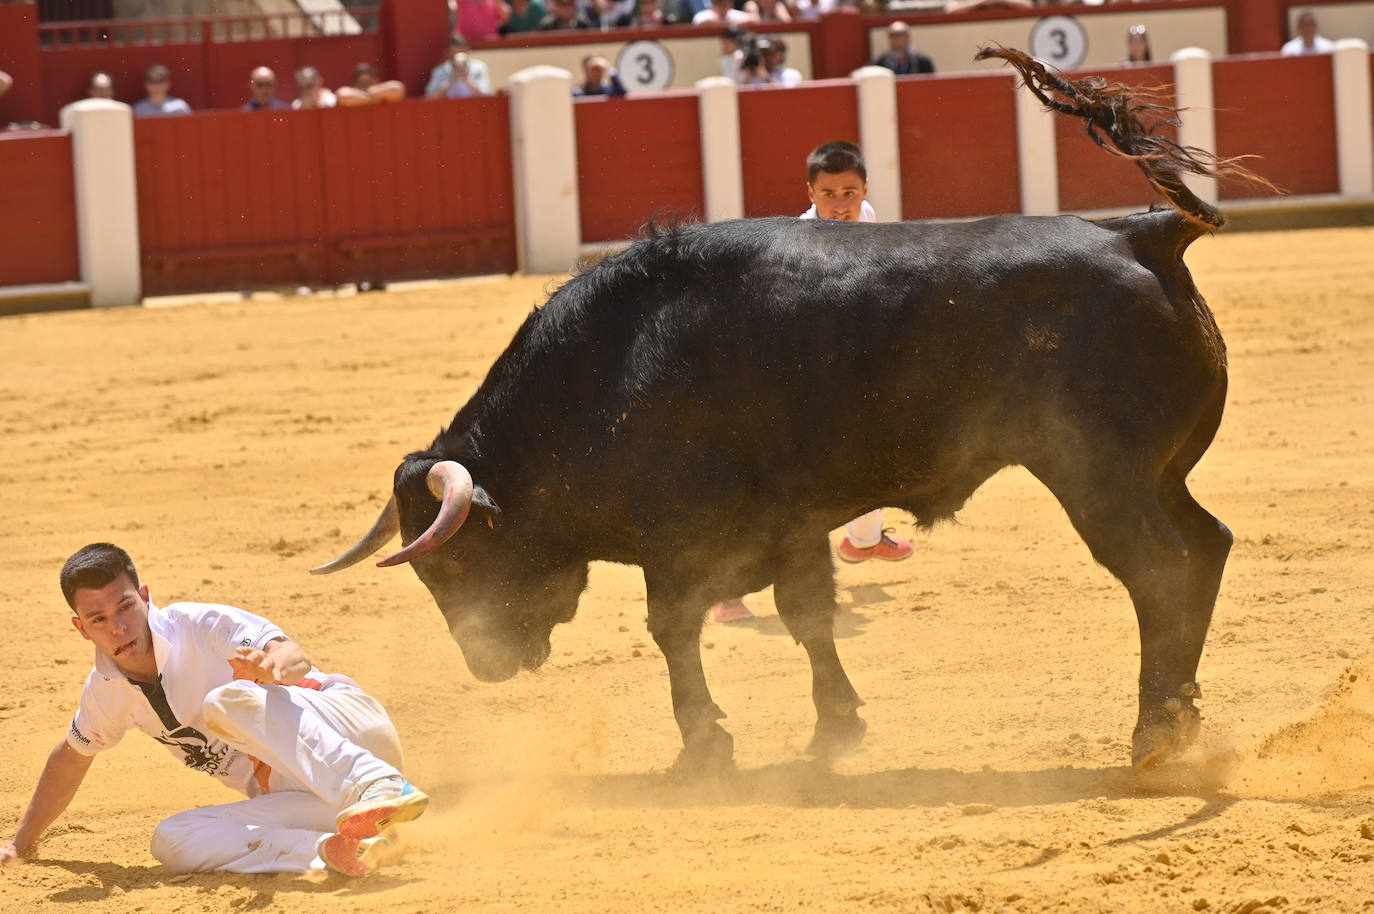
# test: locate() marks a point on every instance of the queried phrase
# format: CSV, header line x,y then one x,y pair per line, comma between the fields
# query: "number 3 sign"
x,y
645,65
1059,40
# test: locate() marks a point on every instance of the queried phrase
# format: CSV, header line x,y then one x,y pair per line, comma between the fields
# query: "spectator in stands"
x,y
616,14
732,52
723,12
1138,45
369,88
157,82
524,16
262,83
461,76
567,14
101,85
650,14
769,10
478,18
963,6
899,58
599,78
1308,41
6,82
775,63
311,91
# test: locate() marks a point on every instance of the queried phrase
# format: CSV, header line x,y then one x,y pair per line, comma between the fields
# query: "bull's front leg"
x,y
706,746
805,595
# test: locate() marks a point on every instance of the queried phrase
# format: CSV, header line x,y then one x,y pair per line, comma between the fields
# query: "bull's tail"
x,y
1115,117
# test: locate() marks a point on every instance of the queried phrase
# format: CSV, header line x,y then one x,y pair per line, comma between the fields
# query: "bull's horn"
x,y
388,525
449,482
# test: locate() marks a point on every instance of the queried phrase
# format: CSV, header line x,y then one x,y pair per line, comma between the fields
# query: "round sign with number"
x,y
1059,40
645,65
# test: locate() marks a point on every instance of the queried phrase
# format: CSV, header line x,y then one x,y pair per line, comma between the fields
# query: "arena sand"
x,y
232,446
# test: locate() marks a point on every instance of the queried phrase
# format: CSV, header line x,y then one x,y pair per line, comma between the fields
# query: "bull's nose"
x,y
492,667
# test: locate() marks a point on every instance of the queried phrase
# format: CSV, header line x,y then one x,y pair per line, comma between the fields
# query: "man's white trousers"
x,y
323,747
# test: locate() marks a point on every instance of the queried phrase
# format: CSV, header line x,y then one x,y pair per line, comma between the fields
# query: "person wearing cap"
x,y
899,58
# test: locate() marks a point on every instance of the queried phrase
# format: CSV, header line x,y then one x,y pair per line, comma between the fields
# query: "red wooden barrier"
x,y
38,241
778,127
637,156
957,146
1092,178
1281,109
240,200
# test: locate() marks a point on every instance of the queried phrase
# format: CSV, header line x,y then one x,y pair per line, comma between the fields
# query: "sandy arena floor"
x,y
230,447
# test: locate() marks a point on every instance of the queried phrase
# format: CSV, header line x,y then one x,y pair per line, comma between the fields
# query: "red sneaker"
x,y
731,611
357,857
887,549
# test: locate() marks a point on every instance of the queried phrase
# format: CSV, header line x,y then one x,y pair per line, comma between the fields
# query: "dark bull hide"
x,y
691,406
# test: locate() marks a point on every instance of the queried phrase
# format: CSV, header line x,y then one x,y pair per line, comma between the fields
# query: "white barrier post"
x,y
1197,124
106,199
722,172
1354,133
1036,155
548,221
877,90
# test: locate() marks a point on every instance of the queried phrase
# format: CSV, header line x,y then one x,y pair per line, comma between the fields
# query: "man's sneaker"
x,y
355,857
731,611
384,802
887,549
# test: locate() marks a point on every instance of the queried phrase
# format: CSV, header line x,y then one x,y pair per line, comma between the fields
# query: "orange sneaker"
x,y
357,857
887,549
731,611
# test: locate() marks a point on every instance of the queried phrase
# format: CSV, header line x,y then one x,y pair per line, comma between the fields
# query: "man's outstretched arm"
x,y
62,775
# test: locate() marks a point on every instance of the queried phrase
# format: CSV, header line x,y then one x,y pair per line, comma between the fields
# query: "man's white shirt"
x,y
191,643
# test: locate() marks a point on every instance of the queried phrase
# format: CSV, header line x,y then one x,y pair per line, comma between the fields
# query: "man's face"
x,y
838,195
565,10
1307,28
264,85
596,70
899,40
115,619
157,88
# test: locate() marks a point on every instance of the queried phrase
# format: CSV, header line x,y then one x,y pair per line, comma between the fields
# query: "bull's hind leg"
x,y
804,591
1124,522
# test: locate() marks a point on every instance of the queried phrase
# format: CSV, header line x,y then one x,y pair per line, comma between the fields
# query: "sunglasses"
x,y
264,85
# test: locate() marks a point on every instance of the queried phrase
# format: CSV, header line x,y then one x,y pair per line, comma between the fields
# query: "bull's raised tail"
x,y
1113,115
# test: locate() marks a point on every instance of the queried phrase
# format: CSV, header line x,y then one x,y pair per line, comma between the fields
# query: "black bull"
x,y
711,402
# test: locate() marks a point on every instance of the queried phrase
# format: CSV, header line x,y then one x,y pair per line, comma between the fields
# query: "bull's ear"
x,y
480,498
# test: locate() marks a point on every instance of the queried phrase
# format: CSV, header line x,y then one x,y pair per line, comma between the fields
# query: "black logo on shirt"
x,y
195,749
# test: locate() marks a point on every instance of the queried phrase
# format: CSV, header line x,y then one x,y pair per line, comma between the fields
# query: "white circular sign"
x,y
1059,40
645,65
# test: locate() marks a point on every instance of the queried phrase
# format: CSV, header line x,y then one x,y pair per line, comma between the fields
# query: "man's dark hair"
x,y
157,73
835,157
94,566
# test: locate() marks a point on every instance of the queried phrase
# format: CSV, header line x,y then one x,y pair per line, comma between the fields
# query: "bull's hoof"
x,y
709,754
836,736
1168,729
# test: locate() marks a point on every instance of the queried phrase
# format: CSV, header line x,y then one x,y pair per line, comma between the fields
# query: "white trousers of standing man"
x,y
866,530
323,747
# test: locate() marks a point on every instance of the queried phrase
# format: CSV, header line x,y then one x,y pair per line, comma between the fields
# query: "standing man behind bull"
x,y
230,695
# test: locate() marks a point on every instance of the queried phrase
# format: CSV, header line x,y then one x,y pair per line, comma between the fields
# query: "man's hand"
x,y
254,665
8,852
281,662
